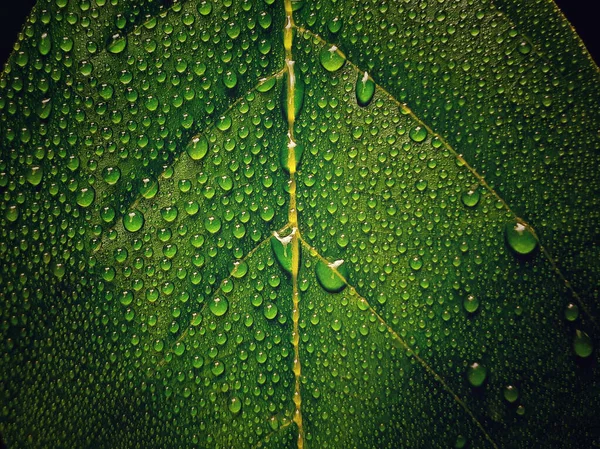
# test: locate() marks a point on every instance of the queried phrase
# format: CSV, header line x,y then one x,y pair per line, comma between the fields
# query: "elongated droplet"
x,y
117,44
285,153
476,374
520,238
582,344
365,90
197,148
331,59
328,275
45,44
282,249
298,96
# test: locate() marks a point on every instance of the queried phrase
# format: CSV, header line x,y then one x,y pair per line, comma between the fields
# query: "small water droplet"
x,y
235,405
471,304
571,312
511,393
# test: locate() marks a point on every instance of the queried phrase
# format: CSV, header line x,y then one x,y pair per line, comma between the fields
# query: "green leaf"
x,y
299,224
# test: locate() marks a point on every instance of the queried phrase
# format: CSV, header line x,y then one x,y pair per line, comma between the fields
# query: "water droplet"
x,y
235,405
520,238
117,44
285,152
328,275
133,221
149,187
335,25
45,44
282,248
471,304
418,133
365,90
270,311
212,224
511,393
476,374
34,175
331,59
582,344
571,312
299,88
415,263
218,306
197,148
229,79
470,198
461,442
111,175
86,196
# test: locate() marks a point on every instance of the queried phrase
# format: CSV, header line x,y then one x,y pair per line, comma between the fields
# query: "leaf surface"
x,y
294,224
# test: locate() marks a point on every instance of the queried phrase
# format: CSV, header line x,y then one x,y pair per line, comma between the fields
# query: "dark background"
x,y
578,12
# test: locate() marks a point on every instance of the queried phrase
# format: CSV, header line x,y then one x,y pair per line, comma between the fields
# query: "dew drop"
x,y
285,152
470,198
218,306
86,196
476,374
197,148
282,248
117,44
328,275
331,59
511,393
520,238
471,304
270,311
34,175
149,188
335,25
45,44
133,221
365,90
418,133
235,405
571,312
582,344
299,88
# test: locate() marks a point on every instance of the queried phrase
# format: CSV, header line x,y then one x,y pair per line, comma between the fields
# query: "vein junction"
x,y
292,212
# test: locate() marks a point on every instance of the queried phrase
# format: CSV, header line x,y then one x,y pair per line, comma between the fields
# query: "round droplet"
x,y
520,238
332,276
229,79
471,304
511,393
476,374
335,25
111,175
133,220
470,198
218,306
270,311
86,196
331,59
571,312
418,133
582,344
149,187
235,405
365,90
415,263
117,44
212,224
34,175
461,442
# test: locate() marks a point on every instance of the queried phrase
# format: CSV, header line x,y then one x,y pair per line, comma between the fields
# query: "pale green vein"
x,y
472,170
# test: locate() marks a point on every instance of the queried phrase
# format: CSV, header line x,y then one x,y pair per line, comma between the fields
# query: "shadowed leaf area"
x,y
299,224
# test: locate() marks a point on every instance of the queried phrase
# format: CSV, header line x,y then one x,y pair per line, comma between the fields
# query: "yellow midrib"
x,y
293,216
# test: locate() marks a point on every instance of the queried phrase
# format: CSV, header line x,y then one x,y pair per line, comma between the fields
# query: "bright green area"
x,y
447,199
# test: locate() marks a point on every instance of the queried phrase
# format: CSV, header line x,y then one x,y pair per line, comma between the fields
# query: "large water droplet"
x,y
86,196
520,238
285,153
330,275
197,148
133,221
511,393
331,59
471,304
476,374
365,90
282,248
218,306
471,197
582,344
117,44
